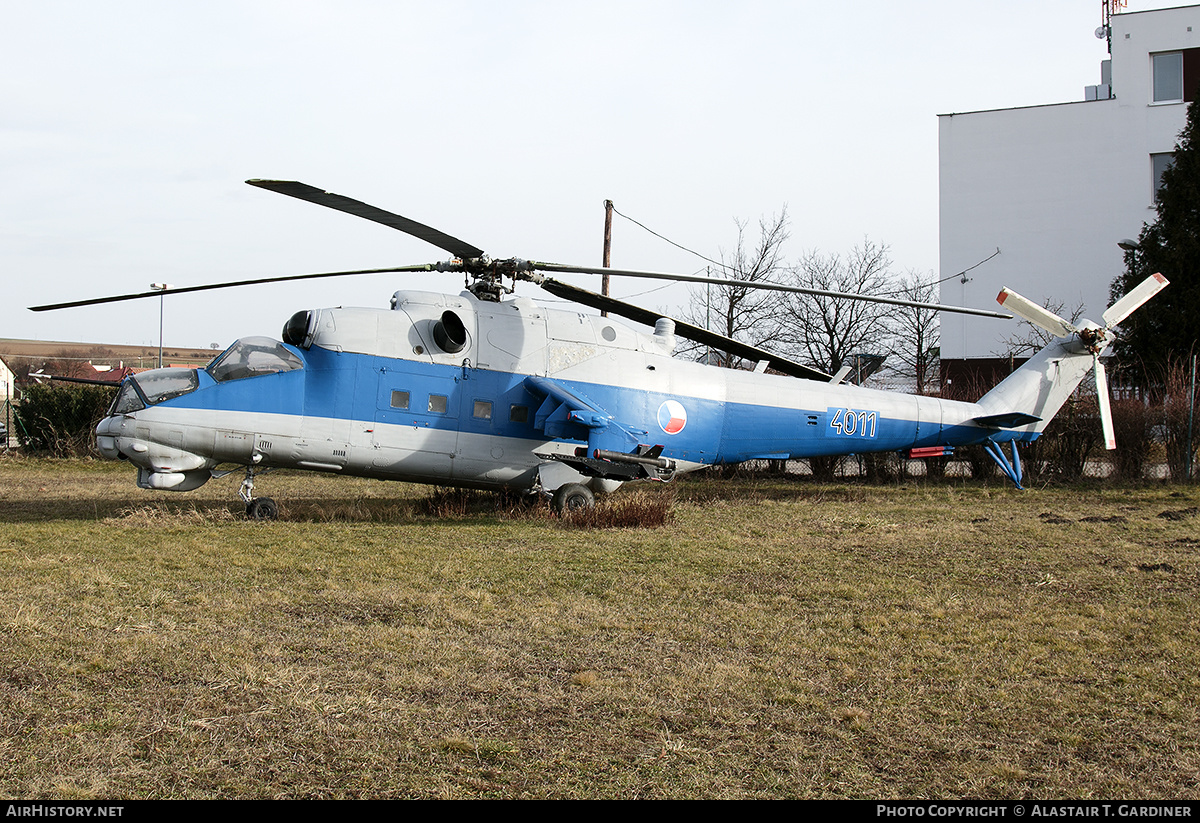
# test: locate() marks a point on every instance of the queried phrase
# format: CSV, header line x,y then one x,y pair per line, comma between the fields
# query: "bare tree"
x,y
917,336
740,312
828,331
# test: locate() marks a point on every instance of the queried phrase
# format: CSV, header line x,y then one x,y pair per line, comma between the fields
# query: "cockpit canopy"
x,y
248,357
252,357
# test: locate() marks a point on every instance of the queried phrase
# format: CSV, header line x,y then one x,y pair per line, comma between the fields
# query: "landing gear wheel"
x,y
262,508
573,497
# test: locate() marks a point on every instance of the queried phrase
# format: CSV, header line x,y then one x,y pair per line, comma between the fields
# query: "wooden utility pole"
x,y
608,210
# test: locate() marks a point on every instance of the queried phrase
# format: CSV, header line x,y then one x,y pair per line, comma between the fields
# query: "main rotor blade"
x,y
229,285
682,329
1102,399
330,200
766,285
1138,295
1039,316
107,383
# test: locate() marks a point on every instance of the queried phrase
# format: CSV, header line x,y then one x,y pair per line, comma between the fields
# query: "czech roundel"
x,y
672,416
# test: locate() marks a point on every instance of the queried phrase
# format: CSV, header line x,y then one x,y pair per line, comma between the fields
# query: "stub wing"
x,y
567,414
614,451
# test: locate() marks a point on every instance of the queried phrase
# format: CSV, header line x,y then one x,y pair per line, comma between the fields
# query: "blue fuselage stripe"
x,y
374,389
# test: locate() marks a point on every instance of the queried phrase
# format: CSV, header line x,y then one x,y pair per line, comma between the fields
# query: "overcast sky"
x,y
128,128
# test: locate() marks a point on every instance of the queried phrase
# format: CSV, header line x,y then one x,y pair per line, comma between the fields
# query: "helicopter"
x,y
486,389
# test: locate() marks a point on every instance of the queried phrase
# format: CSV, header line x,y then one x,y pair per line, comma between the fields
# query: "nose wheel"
x,y
261,508
264,508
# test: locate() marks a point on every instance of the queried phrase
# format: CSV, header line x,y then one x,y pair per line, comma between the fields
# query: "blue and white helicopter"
x,y
486,391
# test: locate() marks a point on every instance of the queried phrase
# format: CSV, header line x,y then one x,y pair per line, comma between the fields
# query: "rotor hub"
x,y
1093,339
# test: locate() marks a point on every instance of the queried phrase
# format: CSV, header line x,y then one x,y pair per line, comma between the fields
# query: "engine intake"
x,y
449,333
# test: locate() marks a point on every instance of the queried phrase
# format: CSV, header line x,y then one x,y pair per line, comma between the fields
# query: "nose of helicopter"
x,y
114,441
159,465
106,439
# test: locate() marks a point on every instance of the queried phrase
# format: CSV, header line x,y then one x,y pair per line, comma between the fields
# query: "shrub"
x,y
1177,411
1133,427
60,419
1063,448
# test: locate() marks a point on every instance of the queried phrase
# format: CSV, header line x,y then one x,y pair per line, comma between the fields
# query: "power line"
x,y
669,240
963,273
644,227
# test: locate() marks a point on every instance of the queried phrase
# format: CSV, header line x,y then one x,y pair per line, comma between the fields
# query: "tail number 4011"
x,y
854,423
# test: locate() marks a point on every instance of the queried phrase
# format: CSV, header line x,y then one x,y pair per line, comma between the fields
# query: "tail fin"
x,y
1039,388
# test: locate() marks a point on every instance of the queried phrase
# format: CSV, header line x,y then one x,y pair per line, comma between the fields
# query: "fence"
x,y
1154,442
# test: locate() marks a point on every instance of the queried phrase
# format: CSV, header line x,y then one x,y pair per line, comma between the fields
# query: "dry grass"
x,y
767,639
635,508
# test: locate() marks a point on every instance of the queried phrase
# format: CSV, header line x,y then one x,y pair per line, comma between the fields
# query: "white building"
x,y
8,382
8,392
1055,187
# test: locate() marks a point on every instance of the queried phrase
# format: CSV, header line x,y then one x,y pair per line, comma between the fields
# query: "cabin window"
x,y
518,414
437,404
483,409
399,400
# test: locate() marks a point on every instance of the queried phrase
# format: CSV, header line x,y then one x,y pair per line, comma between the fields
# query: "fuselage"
x,y
457,391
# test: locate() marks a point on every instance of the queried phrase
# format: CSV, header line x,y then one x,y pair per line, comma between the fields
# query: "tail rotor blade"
x,y
1102,399
1140,293
1039,316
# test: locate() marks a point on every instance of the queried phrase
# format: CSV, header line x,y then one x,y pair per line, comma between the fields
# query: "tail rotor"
x,y
1094,338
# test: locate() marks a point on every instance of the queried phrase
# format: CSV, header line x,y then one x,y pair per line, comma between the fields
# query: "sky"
x,y
127,130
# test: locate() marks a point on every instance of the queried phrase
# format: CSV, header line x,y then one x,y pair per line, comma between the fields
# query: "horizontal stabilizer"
x,y
1008,420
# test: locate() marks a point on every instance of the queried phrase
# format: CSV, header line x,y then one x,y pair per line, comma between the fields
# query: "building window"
x,y
483,409
399,400
437,404
1168,77
1159,163
1175,76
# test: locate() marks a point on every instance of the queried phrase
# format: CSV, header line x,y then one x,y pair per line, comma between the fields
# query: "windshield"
x,y
162,384
152,387
251,357
128,400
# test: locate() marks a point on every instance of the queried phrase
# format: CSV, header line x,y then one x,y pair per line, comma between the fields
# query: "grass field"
x,y
775,638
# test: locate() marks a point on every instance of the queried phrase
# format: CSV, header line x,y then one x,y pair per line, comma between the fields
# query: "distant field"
x,y
103,354
776,638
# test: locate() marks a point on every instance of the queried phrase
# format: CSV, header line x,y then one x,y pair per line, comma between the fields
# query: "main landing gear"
x,y
573,497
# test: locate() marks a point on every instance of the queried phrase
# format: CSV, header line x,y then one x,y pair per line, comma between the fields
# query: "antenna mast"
x,y
1107,9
